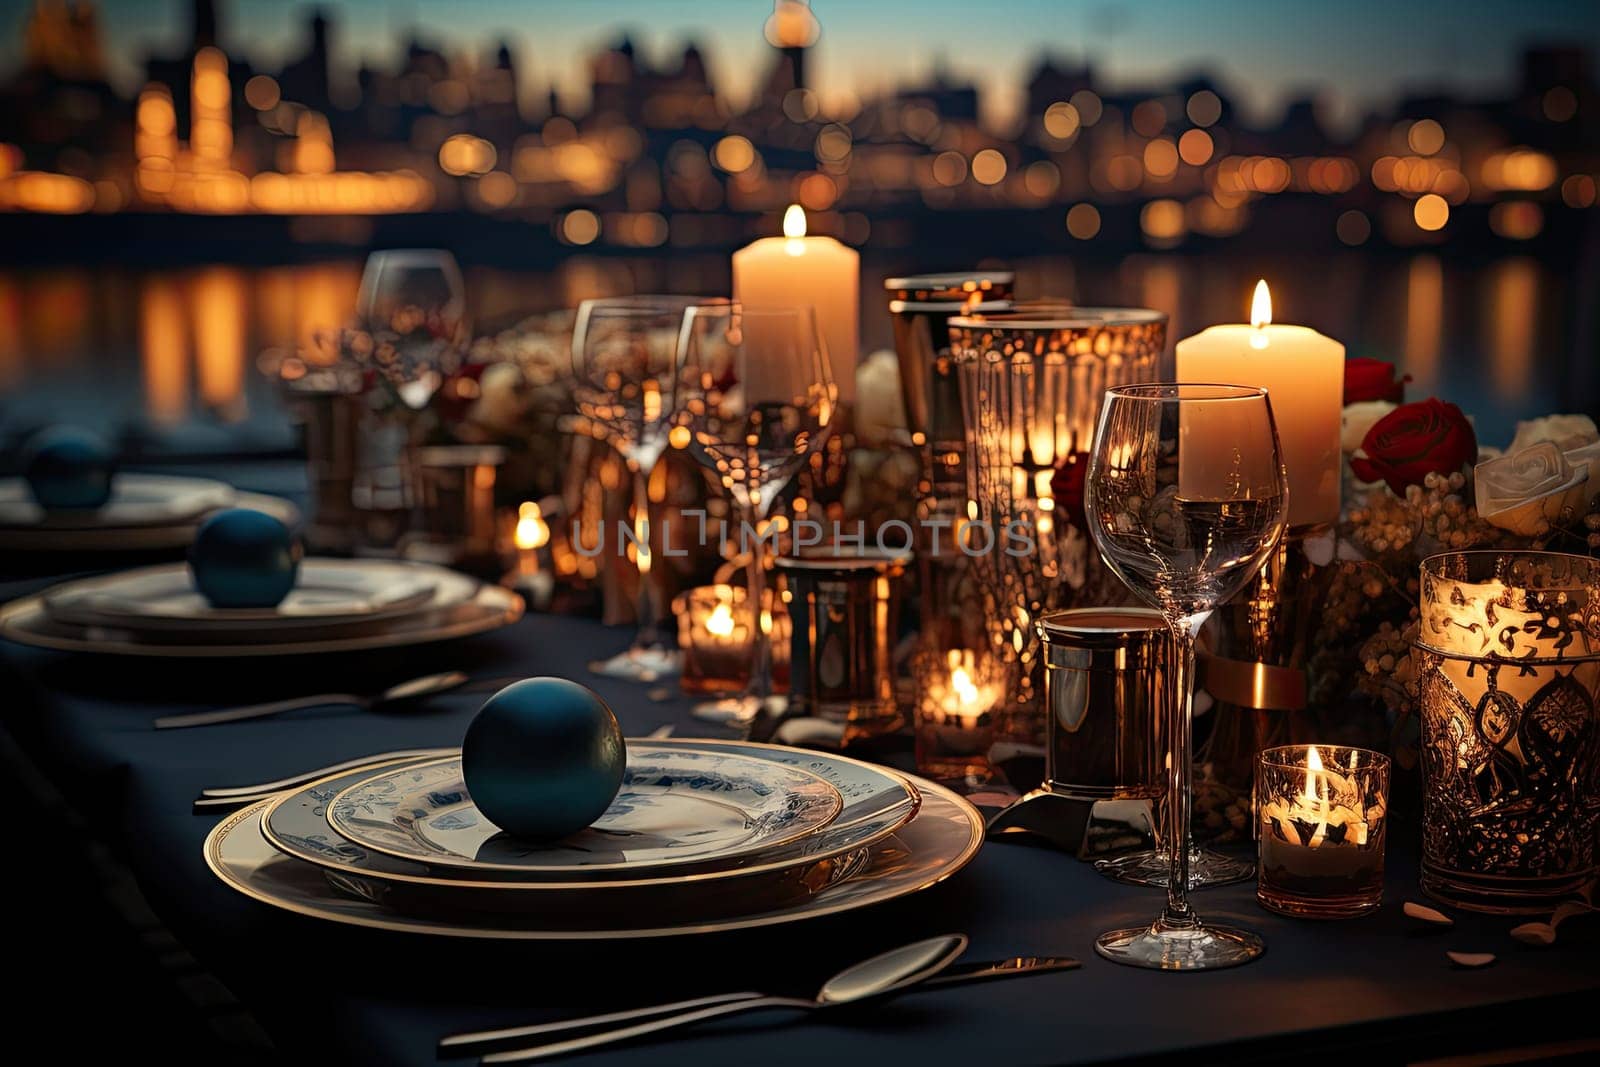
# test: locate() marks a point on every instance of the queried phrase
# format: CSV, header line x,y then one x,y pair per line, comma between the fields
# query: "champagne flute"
x,y
624,361
757,396
1186,501
414,304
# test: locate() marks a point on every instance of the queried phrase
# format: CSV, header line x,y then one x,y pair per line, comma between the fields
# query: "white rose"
x,y
880,410
1526,491
1358,419
1566,432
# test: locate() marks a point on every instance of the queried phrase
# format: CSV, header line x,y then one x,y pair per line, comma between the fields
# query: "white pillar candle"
x,y
1303,374
798,270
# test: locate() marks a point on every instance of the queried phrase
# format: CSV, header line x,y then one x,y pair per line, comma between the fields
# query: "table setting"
x,y
1136,675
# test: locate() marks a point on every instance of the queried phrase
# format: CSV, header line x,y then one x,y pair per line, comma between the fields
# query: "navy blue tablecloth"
x,y
330,993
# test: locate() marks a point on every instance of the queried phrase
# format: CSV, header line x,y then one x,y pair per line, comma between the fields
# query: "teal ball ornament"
x,y
544,758
68,469
244,559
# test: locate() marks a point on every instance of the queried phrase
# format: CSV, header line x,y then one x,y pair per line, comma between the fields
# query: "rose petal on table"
x,y
1423,913
1535,934
1471,959
1570,909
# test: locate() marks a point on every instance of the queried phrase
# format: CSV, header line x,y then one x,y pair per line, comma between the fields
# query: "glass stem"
x,y
760,686
648,636
1185,628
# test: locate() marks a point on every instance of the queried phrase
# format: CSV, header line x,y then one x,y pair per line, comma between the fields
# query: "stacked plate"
x,y
146,513
703,836
336,606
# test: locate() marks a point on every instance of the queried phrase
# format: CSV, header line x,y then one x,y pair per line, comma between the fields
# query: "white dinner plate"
x,y
490,607
165,519
679,808
327,592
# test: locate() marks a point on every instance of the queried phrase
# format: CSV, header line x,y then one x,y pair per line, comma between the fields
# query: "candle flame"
x,y
794,221
1261,306
961,685
720,622
1313,773
532,531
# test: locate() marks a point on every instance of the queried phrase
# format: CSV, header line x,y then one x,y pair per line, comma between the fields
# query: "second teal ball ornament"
x,y
544,758
68,469
244,559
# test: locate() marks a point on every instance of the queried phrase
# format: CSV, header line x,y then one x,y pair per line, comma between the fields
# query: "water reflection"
x,y
166,348
1510,318
164,351
221,319
11,361
1424,313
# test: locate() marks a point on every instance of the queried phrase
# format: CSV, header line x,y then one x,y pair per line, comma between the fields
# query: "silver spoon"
x,y
475,1041
880,976
416,688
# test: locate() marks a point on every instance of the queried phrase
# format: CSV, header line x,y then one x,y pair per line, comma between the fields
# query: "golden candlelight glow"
x,y
1260,314
532,530
1310,796
1261,306
961,685
794,221
720,622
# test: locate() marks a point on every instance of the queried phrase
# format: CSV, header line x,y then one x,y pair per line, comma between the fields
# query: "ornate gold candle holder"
x,y
715,635
956,694
1321,815
1508,664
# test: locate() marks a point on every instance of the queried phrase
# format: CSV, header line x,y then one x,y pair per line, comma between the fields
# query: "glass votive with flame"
x,y
957,693
1321,821
526,536
715,632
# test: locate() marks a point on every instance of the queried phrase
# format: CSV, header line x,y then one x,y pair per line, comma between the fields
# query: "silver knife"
x,y
466,1044
1015,967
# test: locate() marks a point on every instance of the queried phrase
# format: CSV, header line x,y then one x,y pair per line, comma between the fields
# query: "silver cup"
x,y
1105,676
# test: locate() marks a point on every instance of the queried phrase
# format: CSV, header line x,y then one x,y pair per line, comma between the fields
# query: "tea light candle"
x,y
818,271
715,633
1320,818
1303,374
954,726
532,575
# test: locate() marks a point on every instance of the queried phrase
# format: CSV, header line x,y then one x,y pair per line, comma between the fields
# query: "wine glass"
x,y
1186,501
757,396
624,361
414,305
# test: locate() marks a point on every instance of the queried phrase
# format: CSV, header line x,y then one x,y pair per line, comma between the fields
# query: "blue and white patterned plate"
x,y
677,808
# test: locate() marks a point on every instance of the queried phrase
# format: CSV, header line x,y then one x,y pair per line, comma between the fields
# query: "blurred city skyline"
x,y
190,183
1352,57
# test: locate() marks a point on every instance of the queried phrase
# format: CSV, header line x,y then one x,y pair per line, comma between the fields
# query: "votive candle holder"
x,y
1321,817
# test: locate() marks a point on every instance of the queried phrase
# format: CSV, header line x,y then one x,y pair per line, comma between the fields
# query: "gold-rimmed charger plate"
x,y
878,802
27,622
945,835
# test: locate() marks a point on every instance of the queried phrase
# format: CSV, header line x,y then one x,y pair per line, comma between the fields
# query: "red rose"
x,y
1067,486
1372,379
1413,441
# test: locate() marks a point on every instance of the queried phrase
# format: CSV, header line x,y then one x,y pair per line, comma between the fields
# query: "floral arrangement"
x,y
1422,483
